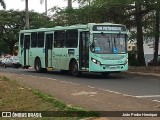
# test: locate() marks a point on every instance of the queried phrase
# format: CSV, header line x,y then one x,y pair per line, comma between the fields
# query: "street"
x,y
145,87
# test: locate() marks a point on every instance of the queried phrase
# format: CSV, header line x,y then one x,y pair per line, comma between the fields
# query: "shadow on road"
x,y
83,75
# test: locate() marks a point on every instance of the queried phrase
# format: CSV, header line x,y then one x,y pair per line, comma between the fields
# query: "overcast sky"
x,y
35,4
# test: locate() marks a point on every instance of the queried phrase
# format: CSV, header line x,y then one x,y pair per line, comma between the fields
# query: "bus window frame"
x,y
71,39
21,40
58,41
34,40
43,42
46,33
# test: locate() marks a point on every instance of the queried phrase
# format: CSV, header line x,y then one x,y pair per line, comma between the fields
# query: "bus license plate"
x,y
113,67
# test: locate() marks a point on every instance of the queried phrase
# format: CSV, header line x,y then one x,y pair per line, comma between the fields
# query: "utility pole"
x,y
27,15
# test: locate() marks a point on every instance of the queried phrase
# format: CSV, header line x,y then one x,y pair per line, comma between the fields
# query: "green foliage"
x,y
11,22
97,13
138,14
132,13
3,47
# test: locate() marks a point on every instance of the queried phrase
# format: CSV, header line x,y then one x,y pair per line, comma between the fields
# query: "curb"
x,y
142,73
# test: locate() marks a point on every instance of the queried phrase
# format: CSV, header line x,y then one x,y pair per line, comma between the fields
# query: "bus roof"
x,y
77,26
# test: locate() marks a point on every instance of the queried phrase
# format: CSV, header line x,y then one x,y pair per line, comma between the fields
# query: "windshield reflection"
x,y
109,43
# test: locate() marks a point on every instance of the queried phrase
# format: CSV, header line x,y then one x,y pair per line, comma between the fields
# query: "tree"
x,y
41,1
3,4
27,26
138,18
157,33
11,22
69,4
133,13
27,15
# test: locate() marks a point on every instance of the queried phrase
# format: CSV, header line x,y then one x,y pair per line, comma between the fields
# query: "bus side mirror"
x,y
92,46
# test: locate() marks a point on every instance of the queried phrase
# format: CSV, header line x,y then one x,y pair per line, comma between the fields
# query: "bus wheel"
x,y
74,68
37,65
27,67
44,70
14,66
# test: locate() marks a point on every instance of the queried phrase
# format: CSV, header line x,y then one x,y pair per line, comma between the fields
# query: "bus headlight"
x,y
95,61
126,62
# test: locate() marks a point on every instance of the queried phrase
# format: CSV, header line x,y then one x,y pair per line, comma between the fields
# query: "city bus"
x,y
93,47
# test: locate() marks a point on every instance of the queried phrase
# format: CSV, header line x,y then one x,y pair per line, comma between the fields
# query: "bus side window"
x,y
21,39
34,39
71,38
40,39
59,37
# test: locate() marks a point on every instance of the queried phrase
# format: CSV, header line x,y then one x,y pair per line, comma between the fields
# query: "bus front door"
x,y
26,49
48,49
83,50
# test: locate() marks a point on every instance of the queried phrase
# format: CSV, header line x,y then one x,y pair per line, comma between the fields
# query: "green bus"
x,y
94,47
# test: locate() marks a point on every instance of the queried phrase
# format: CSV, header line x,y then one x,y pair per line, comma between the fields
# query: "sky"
x,y
35,4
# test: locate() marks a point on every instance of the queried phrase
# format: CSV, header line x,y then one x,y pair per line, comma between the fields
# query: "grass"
x,y
14,97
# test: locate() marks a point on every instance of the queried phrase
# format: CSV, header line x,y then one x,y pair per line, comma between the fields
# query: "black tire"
x,y
44,70
27,67
37,65
14,66
74,69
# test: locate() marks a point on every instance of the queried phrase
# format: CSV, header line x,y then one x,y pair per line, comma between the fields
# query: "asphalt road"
x,y
146,87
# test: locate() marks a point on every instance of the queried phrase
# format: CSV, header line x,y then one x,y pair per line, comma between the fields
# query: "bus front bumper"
x,y
108,67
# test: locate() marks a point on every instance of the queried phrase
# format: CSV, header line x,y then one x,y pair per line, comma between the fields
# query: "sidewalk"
x,y
154,71
87,97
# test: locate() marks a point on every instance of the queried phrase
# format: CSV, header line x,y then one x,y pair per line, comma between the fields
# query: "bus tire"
x,y
37,65
27,67
74,69
44,70
14,66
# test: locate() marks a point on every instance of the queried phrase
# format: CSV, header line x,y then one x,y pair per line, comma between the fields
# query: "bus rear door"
x,y
48,49
26,49
83,50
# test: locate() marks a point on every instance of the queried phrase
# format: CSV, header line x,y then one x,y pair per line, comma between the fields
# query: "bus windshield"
x,y
104,43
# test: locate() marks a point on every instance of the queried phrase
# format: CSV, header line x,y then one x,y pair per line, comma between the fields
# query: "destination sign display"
x,y
108,28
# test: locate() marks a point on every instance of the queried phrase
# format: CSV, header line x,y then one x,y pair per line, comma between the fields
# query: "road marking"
x,y
109,91
53,79
91,87
145,96
69,82
84,93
